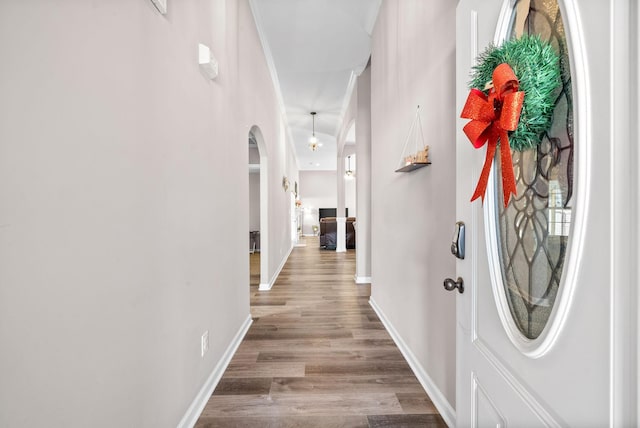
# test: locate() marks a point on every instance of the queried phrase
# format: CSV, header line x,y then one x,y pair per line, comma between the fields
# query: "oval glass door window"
x,y
534,229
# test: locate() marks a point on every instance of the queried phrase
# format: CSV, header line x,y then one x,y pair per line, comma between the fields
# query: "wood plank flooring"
x,y
254,269
317,356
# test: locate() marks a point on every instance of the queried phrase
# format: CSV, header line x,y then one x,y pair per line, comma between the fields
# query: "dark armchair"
x,y
328,233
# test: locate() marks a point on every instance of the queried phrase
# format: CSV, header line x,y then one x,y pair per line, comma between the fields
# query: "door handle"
x,y
457,242
450,285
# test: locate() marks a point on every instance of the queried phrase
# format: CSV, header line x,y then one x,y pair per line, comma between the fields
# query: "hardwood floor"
x,y
254,270
317,356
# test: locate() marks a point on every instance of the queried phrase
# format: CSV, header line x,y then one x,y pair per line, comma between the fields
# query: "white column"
x,y
363,179
341,238
341,226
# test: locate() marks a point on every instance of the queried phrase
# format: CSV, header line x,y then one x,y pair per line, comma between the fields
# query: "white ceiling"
x,y
314,47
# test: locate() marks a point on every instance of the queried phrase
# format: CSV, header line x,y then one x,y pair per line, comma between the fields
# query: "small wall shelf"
x,y
413,166
410,160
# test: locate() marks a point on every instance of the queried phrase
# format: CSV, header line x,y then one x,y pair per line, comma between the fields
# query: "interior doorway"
x,y
258,209
254,212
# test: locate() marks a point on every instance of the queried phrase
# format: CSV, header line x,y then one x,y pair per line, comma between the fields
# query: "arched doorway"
x,y
258,209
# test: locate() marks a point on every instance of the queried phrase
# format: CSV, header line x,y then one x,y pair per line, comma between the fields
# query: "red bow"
x,y
491,117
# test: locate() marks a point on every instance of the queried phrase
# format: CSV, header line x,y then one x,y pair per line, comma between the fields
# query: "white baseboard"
x,y
195,409
362,279
267,287
445,408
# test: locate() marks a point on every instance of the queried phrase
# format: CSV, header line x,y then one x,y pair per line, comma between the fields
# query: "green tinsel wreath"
x,y
536,65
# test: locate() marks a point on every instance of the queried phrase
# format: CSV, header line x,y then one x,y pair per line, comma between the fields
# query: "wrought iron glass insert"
x,y
534,229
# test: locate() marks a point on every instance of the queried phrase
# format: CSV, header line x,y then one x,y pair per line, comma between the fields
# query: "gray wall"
x,y
254,200
317,190
124,204
254,155
413,63
350,194
363,173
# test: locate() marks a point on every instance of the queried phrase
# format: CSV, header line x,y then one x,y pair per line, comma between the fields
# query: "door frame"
x,y
623,402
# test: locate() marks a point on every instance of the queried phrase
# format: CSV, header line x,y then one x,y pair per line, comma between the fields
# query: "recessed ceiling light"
x,y
317,164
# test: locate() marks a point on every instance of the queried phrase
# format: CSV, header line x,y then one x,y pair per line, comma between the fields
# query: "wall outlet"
x,y
204,343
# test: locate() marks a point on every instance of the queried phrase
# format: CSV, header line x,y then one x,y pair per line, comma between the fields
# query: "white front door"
x,y
546,326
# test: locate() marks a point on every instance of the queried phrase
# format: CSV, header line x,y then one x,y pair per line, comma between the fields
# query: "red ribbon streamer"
x,y
492,116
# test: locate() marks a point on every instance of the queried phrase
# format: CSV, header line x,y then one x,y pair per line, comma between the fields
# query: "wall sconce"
x,y
208,64
161,5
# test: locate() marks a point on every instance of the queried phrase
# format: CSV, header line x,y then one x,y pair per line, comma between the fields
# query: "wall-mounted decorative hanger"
x,y
417,155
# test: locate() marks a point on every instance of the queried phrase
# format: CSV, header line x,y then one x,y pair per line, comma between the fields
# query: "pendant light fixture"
x,y
349,172
313,140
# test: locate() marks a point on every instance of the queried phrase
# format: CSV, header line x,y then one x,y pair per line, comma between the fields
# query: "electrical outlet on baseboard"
x,y
204,343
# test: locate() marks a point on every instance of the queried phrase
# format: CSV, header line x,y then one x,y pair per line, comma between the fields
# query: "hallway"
x,y
317,356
